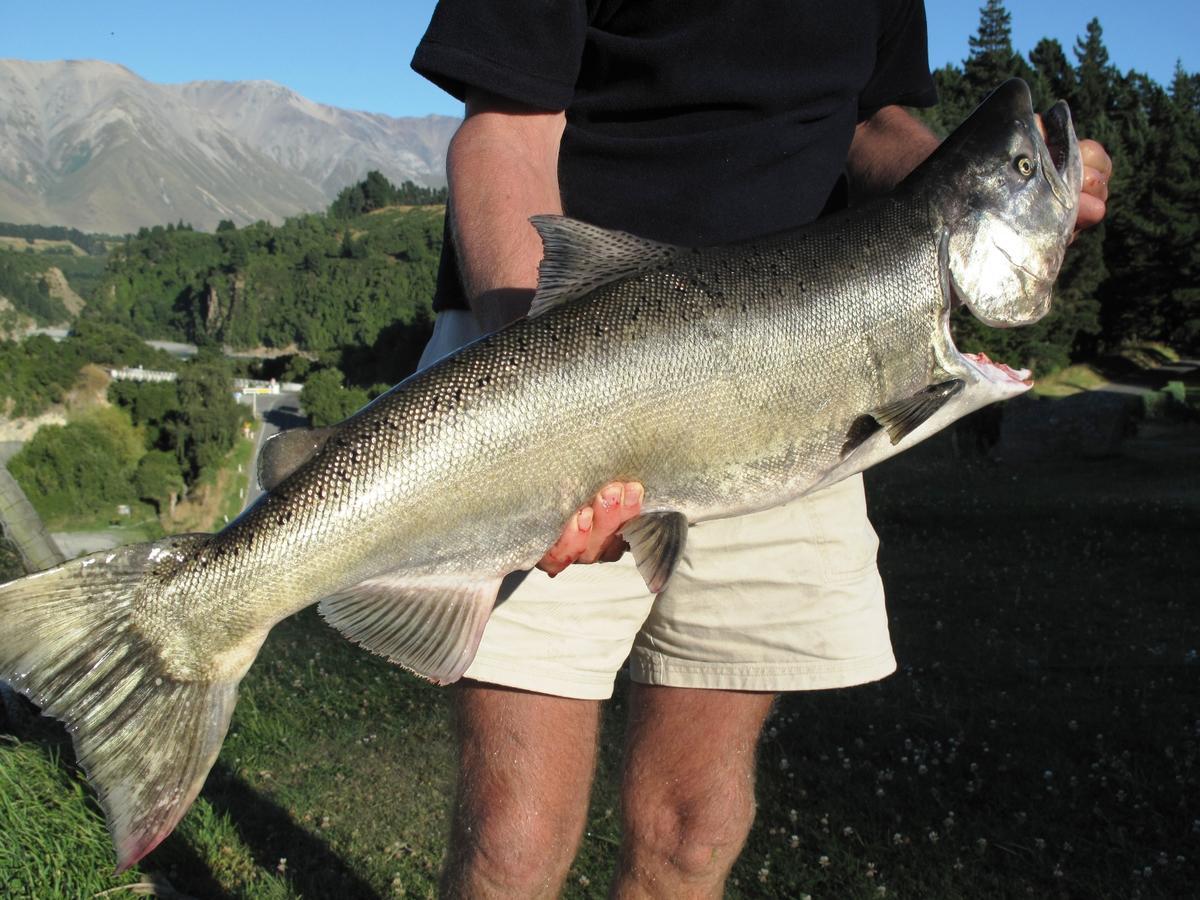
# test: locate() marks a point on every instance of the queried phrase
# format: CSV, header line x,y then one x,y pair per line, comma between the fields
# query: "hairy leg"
x,y
525,769
687,798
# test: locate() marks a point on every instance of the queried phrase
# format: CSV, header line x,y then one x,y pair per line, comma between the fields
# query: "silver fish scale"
x,y
724,381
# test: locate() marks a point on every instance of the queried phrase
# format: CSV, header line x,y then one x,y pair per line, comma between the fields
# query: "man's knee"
x,y
525,768
513,846
696,829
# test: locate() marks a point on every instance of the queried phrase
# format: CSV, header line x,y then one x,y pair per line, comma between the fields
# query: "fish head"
x,y
1007,195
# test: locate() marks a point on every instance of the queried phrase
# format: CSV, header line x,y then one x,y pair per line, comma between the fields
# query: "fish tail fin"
x,y
145,738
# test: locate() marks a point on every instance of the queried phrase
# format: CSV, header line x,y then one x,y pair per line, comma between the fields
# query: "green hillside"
x,y
316,282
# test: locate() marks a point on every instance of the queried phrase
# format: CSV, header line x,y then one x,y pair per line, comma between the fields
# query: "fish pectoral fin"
x,y
429,624
657,541
284,453
578,258
902,417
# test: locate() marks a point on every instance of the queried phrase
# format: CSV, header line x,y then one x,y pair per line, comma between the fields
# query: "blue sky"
x,y
355,54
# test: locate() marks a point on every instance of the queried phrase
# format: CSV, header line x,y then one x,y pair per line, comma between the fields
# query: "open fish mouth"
x,y
998,372
1057,122
1060,155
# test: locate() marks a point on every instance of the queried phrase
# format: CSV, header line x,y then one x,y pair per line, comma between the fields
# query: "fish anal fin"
x,y
902,417
657,540
578,258
429,624
283,453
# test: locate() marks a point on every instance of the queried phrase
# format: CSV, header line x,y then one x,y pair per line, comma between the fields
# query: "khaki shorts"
x,y
784,599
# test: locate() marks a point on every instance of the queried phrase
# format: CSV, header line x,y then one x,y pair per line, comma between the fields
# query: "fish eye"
x,y
1024,165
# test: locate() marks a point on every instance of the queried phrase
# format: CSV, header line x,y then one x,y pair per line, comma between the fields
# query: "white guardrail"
x,y
241,385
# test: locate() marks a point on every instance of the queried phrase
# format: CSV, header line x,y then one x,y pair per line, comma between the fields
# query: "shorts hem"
x,y
647,667
553,683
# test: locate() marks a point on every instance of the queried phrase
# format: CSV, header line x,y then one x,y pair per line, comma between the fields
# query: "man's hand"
x,y
1097,171
592,534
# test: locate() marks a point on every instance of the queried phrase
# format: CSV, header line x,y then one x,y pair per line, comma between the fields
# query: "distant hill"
x,y
317,283
91,145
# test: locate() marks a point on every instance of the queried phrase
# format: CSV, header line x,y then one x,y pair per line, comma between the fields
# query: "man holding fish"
x,y
718,370
692,124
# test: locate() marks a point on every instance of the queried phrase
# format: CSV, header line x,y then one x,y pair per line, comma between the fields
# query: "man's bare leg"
x,y
687,798
525,770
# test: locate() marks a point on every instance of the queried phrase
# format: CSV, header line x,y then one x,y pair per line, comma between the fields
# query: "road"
x,y
279,412
175,348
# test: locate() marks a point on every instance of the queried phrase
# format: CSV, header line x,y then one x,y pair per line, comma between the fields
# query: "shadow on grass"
x,y
266,830
270,834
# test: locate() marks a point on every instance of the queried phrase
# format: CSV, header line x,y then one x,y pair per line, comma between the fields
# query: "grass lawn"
x,y
1041,739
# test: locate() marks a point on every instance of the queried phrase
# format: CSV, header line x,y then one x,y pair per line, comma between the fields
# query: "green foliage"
x,y
992,58
37,372
28,293
376,192
313,282
92,244
208,420
187,425
80,469
34,374
326,399
24,280
1135,276
158,478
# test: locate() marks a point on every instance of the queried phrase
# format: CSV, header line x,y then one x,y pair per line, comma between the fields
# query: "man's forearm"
x,y
502,167
885,148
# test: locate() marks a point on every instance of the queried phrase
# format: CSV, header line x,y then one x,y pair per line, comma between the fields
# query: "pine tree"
x,y
1176,205
1055,76
992,59
1094,88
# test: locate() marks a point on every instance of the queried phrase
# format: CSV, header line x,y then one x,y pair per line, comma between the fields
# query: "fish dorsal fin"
x,y
657,541
902,417
284,453
578,258
429,624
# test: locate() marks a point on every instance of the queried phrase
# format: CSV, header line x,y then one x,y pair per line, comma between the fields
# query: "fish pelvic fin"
x,y
657,541
430,625
145,738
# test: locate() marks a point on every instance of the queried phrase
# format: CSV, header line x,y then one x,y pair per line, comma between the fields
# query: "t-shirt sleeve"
x,y
901,63
525,50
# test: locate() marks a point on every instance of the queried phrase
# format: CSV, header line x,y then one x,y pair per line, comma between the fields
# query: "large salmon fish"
x,y
725,379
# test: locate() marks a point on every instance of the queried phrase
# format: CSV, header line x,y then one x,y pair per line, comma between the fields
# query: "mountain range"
x,y
91,145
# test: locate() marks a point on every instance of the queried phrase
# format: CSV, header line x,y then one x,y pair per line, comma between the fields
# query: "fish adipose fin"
x,y
578,258
284,453
431,625
145,738
657,541
902,417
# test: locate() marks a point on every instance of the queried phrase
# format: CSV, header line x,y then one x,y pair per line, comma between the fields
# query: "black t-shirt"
x,y
695,122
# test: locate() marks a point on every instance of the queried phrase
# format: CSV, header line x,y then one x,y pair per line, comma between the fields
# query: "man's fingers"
x,y
1097,171
1093,200
592,534
1096,157
571,544
615,505
1095,183
1091,212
